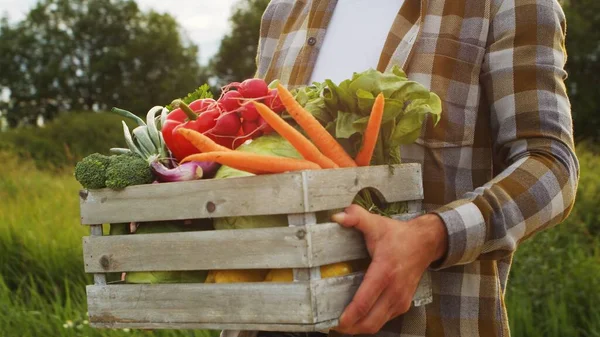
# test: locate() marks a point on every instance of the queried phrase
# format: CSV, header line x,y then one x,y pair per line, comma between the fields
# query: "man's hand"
x,y
400,252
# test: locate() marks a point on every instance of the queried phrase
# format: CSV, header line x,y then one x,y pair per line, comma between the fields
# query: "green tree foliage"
x,y
65,140
80,55
583,65
236,58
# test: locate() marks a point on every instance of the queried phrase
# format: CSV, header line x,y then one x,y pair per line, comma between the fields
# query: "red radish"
x,y
231,100
253,88
264,126
202,104
274,102
228,124
223,141
208,119
249,112
249,127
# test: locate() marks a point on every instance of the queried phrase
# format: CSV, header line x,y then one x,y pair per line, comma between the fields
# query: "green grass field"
x,y
554,288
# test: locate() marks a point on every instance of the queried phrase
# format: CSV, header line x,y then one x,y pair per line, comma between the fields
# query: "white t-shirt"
x,y
355,38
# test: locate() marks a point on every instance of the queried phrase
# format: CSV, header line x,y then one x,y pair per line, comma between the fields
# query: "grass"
x,y
42,284
554,287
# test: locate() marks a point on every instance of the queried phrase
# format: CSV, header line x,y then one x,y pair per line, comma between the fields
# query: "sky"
x,y
204,21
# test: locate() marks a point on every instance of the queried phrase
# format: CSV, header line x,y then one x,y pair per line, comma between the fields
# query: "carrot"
x,y
363,158
307,149
200,141
316,132
252,161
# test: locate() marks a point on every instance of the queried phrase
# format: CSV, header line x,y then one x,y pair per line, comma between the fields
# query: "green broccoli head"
x,y
90,172
128,170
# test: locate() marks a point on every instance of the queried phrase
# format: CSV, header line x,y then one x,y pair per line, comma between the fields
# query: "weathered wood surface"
x,y
302,222
247,306
282,303
220,326
96,232
282,247
332,243
334,294
253,248
258,195
332,189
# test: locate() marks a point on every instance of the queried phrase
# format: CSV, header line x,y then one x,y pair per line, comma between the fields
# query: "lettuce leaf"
x,y
344,110
408,106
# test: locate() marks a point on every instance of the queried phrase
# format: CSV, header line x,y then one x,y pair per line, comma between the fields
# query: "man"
x,y
499,167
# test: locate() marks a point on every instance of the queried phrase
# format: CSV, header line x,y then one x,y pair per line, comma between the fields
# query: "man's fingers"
x,y
354,216
375,281
377,317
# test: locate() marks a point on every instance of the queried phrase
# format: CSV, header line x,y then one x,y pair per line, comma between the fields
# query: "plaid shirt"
x,y
499,167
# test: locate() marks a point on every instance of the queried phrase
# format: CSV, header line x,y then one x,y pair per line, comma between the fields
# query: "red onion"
x,y
184,172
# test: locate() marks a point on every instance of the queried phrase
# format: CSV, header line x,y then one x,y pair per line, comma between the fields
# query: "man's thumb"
x,y
352,216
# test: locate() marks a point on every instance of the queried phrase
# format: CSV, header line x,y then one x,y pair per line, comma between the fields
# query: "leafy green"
x,y
347,106
202,92
273,145
344,109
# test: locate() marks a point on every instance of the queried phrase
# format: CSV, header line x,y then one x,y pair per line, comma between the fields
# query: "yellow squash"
x,y
330,270
237,276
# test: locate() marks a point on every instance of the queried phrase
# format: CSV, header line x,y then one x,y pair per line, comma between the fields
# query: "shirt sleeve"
x,y
523,80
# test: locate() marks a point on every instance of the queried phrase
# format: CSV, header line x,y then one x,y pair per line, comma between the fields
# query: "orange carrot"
x,y
200,141
363,158
307,149
316,132
252,161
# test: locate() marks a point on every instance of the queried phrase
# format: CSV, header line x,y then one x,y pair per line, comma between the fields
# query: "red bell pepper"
x,y
200,115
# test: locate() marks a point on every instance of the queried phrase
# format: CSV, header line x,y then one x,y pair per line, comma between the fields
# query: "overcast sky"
x,y
205,21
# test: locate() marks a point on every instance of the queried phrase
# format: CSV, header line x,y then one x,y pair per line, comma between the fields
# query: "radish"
x,y
274,102
202,104
249,127
226,141
231,100
228,124
208,119
253,88
249,112
264,126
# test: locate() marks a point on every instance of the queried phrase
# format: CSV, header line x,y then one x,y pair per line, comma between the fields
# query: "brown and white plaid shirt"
x,y
499,167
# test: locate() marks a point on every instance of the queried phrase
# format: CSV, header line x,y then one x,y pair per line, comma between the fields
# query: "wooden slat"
x,y
96,232
195,199
253,248
221,326
265,303
332,189
332,243
334,294
258,195
249,306
224,249
300,221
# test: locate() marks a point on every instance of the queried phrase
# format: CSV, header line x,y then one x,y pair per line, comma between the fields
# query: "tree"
x,y
236,58
583,65
80,55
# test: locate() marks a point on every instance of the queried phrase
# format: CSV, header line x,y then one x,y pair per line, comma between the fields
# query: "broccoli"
x,y
90,172
128,170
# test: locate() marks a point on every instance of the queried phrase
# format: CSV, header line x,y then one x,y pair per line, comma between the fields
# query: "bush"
x,y
67,139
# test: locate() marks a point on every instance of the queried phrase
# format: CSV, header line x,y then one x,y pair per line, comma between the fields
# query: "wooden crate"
x,y
307,304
